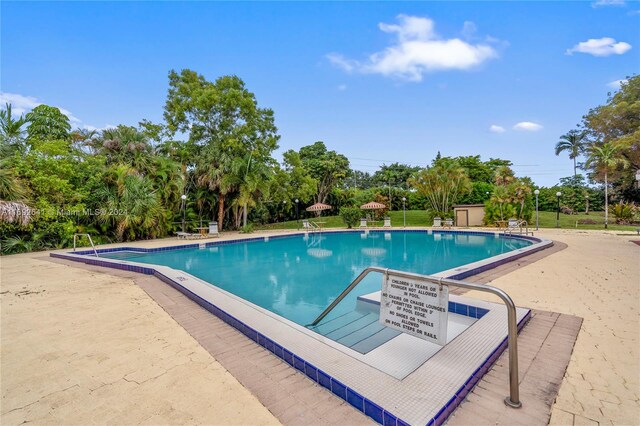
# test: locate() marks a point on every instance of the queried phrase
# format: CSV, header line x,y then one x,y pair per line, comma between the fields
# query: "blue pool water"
x,y
298,276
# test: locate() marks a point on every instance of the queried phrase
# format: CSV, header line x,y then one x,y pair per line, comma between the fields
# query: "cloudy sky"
x,y
379,82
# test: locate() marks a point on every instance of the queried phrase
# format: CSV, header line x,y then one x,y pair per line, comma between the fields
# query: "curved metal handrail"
x,y
75,238
513,400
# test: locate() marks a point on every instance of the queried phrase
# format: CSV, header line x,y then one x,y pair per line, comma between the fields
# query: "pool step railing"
x,y
75,240
513,400
310,226
520,225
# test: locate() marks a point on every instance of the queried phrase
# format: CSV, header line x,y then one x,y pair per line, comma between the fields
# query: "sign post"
x,y
415,307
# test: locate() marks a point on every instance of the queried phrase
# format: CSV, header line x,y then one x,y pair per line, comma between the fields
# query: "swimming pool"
x,y
298,276
397,377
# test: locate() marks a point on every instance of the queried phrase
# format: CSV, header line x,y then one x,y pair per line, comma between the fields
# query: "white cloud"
x,y
341,62
602,3
21,104
616,84
496,129
604,46
528,126
342,87
416,51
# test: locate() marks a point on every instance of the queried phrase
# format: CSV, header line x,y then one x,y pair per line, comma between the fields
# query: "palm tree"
x,y
126,145
11,132
573,142
604,158
130,203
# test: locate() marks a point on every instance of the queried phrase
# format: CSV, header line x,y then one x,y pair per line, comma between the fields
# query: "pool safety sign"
x,y
418,308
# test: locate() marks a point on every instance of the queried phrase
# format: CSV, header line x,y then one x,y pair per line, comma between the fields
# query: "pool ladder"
x,y
75,239
513,400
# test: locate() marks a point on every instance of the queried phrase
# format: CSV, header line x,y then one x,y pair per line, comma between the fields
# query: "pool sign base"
x,y
414,307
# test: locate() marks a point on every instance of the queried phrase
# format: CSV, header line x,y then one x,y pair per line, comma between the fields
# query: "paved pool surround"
x,y
385,399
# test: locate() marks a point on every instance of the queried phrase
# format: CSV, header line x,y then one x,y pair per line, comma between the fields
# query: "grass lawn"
x,y
419,218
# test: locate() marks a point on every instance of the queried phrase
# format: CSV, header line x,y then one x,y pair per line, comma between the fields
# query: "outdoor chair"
x,y
448,223
213,229
363,222
387,222
437,222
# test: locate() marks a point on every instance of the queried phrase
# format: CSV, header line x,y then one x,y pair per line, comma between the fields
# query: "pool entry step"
x,y
358,330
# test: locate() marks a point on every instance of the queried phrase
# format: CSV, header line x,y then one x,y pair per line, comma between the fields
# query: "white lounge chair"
x,y
309,226
387,222
363,222
437,222
448,223
213,229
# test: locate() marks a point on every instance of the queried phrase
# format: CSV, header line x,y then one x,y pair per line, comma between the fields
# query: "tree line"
x,y
212,159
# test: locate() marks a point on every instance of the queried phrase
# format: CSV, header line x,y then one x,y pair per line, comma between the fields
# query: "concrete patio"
x,y
144,367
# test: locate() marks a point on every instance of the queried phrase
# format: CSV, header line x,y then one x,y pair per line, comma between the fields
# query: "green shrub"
x,y
350,216
623,212
247,229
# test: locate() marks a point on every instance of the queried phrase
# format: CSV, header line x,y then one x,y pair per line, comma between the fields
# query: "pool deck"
x,y
595,277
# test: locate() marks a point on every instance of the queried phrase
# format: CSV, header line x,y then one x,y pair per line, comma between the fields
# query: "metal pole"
x,y
536,212
404,212
513,400
558,214
184,213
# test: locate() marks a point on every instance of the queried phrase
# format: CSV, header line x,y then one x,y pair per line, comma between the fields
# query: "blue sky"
x,y
380,82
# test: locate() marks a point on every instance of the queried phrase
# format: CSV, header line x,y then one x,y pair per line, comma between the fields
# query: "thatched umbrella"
x,y
15,211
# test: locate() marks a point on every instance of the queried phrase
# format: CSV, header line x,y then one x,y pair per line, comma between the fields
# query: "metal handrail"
x,y
312,226
519,226
513,400
75,237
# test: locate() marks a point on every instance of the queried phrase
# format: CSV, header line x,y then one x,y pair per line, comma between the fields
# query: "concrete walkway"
x,y
66,355
83,347
597,277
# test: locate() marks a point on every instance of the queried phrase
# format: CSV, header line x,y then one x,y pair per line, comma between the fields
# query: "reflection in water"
x,y
374,251
298,276
319,252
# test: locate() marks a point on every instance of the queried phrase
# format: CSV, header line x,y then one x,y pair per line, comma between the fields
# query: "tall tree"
x,y
224,119
130,203
126,145
618,122
604,159
328,168
11,131
442,185
573,143
298,180
47,123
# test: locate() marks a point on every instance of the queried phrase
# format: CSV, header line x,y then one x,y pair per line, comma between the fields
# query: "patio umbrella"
x,y
318,207
373,206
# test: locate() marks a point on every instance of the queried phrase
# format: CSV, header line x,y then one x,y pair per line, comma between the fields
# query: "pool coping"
x,y
363,404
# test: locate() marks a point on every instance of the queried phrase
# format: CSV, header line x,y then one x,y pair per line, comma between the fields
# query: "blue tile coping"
x,y
359,402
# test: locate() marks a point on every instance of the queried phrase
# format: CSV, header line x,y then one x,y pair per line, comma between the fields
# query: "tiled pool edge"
x,y
361,403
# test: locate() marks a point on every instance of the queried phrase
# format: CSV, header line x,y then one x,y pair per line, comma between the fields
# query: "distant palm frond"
x,y
15,212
